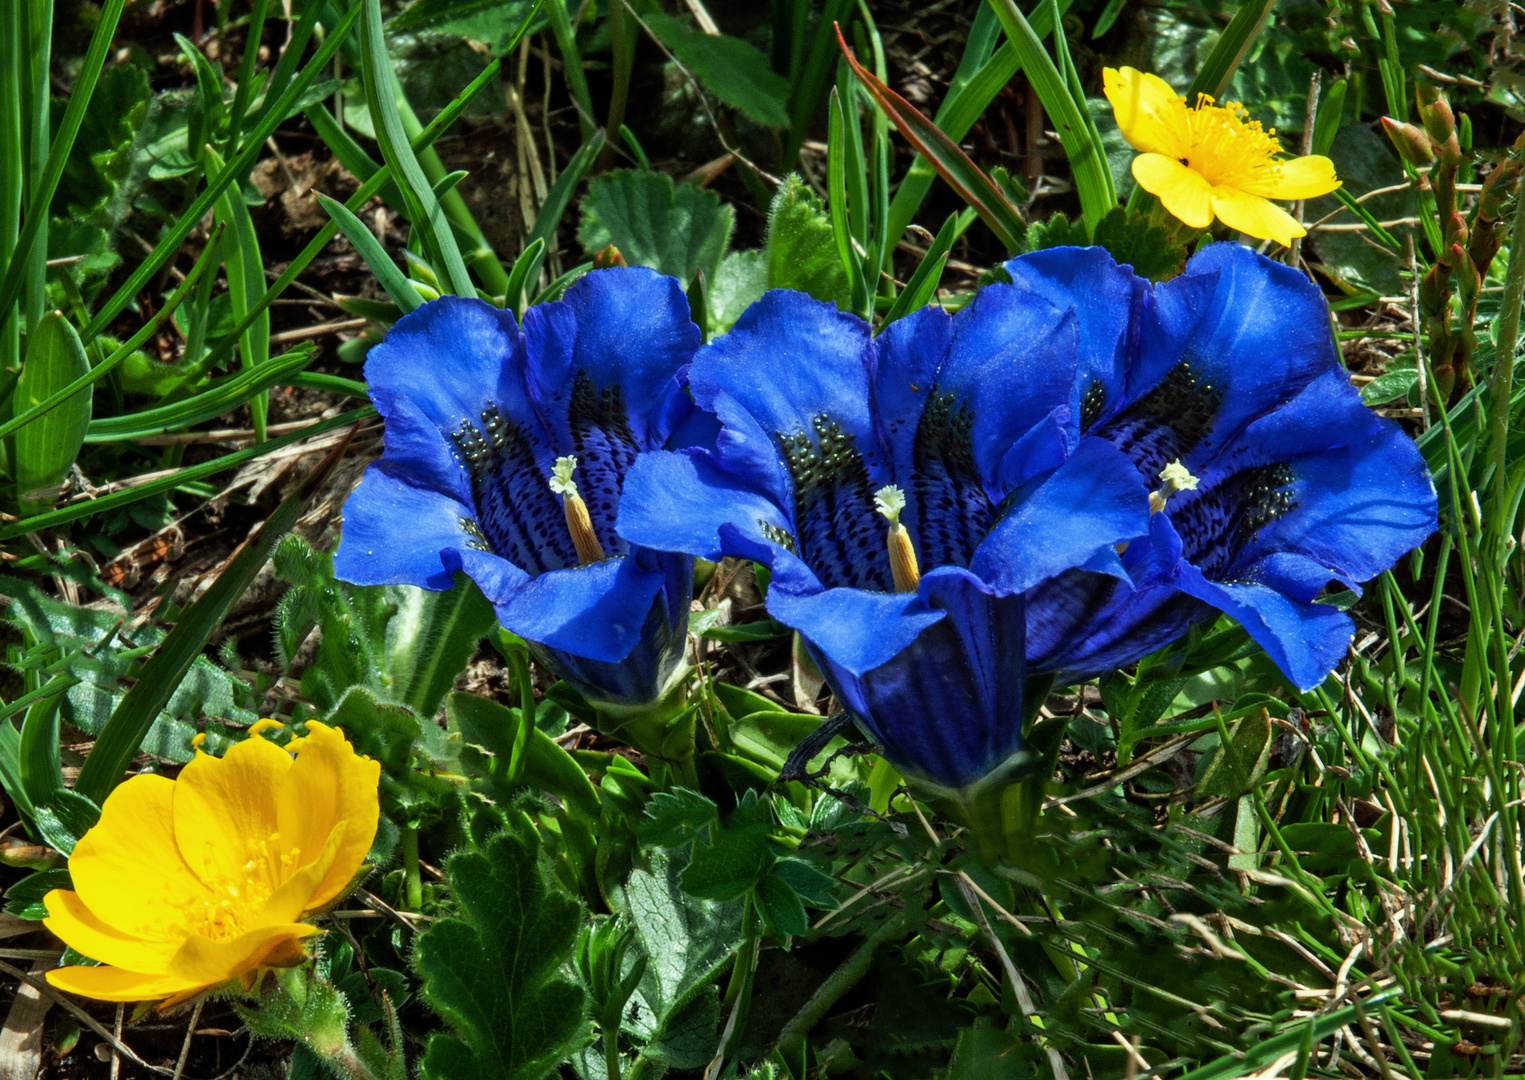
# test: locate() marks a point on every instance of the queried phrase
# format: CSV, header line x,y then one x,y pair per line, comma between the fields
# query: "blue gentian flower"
x,y
504,457
905,492
1270,476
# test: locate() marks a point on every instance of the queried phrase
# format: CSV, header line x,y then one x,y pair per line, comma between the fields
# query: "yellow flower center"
x,y
1227,148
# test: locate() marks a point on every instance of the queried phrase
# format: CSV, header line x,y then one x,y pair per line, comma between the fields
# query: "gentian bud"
x,y
1411,142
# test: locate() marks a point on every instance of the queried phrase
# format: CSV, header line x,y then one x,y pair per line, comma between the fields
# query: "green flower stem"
x,y
662,730
847,975
410,868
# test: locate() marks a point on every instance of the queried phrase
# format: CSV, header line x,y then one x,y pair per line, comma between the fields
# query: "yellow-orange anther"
x,y
579,524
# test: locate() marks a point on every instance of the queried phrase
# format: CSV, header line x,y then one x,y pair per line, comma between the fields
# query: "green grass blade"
x,y
836,183
923,284
39,761
291,56
1088,161
47,446
559,197
255,30
526,269
246,284
87,507
392,279
36,129
1232,46
221,398
58,154
133,344
815,76
119,740
969,95
170,243
952,164
12,169
571,62
417,191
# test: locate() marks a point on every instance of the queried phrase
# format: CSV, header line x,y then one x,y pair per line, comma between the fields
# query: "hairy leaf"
x,y
802,252
493,974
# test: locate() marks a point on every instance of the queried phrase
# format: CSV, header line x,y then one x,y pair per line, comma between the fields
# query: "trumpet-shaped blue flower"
x,y
505,453
905,491
1269,477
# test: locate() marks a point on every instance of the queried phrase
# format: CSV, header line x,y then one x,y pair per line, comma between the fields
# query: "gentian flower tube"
x,y
505,453
905,491
1269,477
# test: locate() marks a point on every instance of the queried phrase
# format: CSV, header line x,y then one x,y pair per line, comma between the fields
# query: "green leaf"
x,y
492,727
729,68
736,856
780,907
67,817
105,157
219,398
674,229
1134,240
1059,231
739,283
493,975
802,250
677,817
689,943
1390,387
459,16
1241,762
46,447
431,638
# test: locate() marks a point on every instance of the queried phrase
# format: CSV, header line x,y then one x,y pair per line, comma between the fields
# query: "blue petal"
x,y
373,550
1360,493
1108,301
906,358
1233,336
856,629
1306,640
1088,621
680,500
594,611
787,361
1012,363
417,449
948,706
451,357
1091,503
627,332
643,673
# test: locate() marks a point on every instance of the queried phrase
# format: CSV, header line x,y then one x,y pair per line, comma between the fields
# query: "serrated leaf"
x,y
493,975
675,229
1058,231
674,818
802,251
1135,240
729,68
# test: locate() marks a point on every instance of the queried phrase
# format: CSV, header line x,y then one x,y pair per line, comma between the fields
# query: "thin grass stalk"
x,y
12,164
37,128
58,153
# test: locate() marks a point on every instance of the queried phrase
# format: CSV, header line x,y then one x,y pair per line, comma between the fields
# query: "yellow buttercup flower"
x,y
185,884
1211,161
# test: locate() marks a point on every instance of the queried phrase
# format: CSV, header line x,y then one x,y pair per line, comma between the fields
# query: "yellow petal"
x,y
77,926
225,819
115,984
204,962
127,869
1151,116
296,896
1300,178
1254,216
328,784
1184,193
